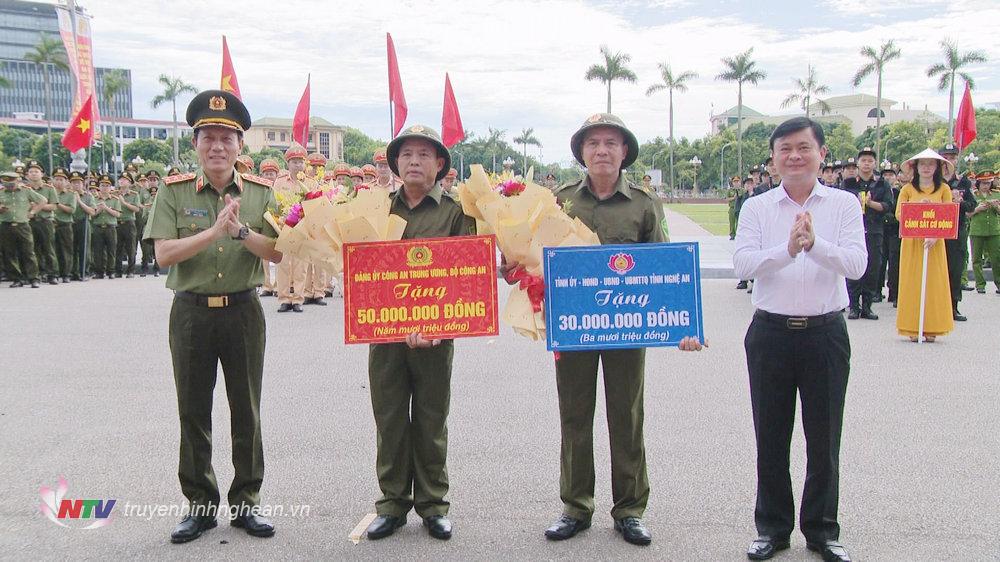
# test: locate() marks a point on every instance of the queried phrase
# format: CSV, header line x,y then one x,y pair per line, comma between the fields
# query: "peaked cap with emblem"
x,y
294,151
948,149
605,120
369,170
379,156
219,108
866,150
269,164
316,159
74,175
60,172
423,133
850,162
34,164
341,169
244,164
356,172
105,179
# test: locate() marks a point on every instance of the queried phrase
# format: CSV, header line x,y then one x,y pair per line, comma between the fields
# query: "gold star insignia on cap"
x,y
594,118
416,129
866,149
217,103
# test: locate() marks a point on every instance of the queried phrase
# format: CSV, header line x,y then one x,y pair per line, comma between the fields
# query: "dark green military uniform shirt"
x,y
87,199
67,198
132,198
18,203
50,195
104,218
986,223
436,216
631,215
187,205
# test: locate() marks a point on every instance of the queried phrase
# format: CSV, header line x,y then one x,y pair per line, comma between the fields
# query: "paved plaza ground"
x,y
88,394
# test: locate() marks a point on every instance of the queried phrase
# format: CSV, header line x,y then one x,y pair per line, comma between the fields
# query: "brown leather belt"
x,y
797,322
216,301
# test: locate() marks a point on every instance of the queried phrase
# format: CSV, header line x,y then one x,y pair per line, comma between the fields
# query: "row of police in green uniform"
x,y
71,225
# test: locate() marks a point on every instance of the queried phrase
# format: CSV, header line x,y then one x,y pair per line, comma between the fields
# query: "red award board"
x,y
928,220
440,287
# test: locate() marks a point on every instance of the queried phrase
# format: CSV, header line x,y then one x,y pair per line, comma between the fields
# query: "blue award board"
x,y
622,296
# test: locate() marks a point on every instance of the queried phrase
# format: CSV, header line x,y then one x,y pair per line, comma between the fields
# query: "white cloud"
x,y
513,64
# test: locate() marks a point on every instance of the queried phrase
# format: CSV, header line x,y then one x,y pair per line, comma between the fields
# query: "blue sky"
x,y
520,63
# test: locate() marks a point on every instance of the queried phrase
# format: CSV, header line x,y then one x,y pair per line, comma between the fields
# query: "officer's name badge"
x,y
195,212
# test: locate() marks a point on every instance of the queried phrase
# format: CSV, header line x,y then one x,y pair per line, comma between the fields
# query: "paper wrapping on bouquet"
x,y
439,287
525,217
328,223
622,296
928,220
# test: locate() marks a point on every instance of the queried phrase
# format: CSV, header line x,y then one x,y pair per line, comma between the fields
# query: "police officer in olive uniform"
x,y
16,203
411,381
209,229
65,207
620,213
104,225
43,227
148,254
127,236
875,196
957,250
889,272
732,196
81,225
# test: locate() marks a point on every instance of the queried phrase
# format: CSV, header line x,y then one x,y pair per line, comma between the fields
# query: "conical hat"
x,y
929,154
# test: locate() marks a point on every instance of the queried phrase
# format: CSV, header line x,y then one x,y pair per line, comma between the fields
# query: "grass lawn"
x,y
713,217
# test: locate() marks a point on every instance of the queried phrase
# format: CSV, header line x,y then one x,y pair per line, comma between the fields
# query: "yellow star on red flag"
x,y
226,83
83,125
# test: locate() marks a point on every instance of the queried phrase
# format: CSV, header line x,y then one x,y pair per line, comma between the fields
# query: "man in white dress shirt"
x,y
799,241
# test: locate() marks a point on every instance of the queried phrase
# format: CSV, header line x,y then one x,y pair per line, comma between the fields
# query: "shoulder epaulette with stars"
x,y
257,179
179,178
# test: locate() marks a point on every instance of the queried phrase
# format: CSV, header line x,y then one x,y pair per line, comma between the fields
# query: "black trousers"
x,y
815,363
862,291
892,247
955,250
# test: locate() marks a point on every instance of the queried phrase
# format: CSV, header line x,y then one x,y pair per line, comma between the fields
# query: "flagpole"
x,y
392,125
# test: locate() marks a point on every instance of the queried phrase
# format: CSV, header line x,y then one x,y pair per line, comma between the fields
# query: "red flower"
x,y
314,195
511,188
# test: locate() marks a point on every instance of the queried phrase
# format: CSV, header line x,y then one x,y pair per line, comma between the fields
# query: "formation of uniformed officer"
x,y
984,231
957,250
889,270
208,227
732,196
104,229
410,381
269,169
384,177
291,272
875,196
66,203
126,232
16,238
620,213
42,219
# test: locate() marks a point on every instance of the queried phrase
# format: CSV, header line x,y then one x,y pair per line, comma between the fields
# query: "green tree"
x,y
40,150
740,69
614,68
359,147
670,83
267,152
150,150
808,89
114,82
527,137
48,52
173,88
954,63
17,143
875,64
841,142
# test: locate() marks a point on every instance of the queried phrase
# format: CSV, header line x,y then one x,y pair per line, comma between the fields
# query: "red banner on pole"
x,y
300,124
928,220
228,82
452,132
80,133
440,287
80,58
965,123
396,98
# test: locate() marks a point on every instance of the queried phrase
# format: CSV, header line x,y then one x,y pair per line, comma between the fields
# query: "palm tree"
x,y
671,83
876,64
954,63
172,89
527,137
114,82
492,143
614,69
48,52
741,69
807,90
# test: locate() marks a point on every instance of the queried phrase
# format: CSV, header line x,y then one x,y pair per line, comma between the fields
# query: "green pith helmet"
x,y
418,132
605,120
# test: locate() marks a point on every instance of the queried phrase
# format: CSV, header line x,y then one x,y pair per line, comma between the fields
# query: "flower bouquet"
x,y
525,217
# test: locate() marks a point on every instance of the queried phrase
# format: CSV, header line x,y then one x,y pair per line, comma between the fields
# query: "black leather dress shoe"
x,y
764,547
285,307
192,527
438,526
383,526
854,314
16,284
832,551
867,314
565,528
968,288
254,524
958,316
296,308
34,284
633,531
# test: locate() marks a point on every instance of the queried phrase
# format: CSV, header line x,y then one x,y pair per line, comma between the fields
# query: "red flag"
x,y
229,82
80,133
451,122
300,125
396,98
965,124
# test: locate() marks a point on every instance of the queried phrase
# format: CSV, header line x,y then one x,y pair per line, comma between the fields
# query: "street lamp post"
x,y
461,165
695,161
722,165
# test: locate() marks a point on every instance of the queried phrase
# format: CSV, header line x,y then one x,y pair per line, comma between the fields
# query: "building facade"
x,y
275,132
21,26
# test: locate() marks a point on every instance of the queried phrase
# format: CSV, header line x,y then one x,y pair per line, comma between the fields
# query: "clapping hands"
x,y
802,236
